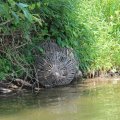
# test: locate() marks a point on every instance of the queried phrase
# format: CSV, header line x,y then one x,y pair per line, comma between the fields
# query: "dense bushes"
x,y
18,23
91,27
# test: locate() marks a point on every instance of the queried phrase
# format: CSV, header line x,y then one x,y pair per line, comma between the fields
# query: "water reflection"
x,y
88,101
45,98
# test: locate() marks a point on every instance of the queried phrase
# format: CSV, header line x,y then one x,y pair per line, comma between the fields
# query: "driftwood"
x,y
5,87
56,66
13,86
16,86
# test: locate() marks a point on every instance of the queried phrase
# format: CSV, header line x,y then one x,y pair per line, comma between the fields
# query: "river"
x,y
88,100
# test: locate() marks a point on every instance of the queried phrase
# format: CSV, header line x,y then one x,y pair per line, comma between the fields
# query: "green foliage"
x,y
5,69
90,27
17,22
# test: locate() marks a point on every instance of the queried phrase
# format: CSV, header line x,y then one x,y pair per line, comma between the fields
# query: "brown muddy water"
x,y
95,99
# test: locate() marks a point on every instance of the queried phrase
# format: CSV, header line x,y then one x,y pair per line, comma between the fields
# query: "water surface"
x,y
92,100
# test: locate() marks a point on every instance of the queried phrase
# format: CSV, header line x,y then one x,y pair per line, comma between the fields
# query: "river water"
x,y
89,100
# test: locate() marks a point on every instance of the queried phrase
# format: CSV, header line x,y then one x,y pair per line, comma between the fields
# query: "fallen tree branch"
x,y
23,83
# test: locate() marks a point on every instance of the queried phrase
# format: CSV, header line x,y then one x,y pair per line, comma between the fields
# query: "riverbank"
x,y
15,86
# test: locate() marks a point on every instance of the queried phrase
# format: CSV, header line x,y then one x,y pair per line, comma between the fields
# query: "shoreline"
x,y
7,87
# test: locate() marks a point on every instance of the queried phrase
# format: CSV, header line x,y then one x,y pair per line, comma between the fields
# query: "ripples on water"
x,y
91,100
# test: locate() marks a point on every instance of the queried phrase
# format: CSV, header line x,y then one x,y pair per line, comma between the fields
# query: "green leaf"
x,y
16,17
4,9
38,4
27,14
32,6
37,20
22,5
2,76
1,9
40,49
12,2
60,42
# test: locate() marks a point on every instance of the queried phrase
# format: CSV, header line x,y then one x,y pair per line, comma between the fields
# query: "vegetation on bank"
x,y
90,27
